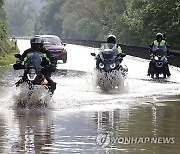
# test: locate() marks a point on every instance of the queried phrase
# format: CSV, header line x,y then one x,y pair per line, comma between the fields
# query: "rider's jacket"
x,y
163,42
159,44
46,54
116,46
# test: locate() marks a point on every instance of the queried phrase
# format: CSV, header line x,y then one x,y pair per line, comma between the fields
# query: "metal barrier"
x,y
142,52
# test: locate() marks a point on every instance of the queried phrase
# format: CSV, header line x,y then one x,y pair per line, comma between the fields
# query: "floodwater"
x,y
141,117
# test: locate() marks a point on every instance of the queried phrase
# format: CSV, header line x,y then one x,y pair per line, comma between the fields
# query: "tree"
x,y
146,18
80,19
21,15
48,21
1,3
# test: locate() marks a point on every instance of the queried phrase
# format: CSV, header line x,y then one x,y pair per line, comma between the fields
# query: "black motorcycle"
x,y
108,66
32,72
159,62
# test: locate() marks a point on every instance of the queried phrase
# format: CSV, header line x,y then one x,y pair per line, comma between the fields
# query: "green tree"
x,y
48,21
132,21
80,19
146,18
1,3
5,44
21,15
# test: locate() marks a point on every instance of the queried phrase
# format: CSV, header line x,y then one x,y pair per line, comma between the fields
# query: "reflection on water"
x,y
47,131
26,131
81,120
34,130
3,72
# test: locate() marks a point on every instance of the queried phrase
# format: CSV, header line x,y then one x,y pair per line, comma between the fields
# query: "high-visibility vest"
x,y
43,55
159,43
115,47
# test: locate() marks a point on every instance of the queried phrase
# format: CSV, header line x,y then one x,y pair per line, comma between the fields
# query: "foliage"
x,y
21,16
149,17
8,58
1,3
80,23
132,21
48,21
6,51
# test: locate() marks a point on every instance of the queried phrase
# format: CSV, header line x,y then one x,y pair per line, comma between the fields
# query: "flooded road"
x,y
141,117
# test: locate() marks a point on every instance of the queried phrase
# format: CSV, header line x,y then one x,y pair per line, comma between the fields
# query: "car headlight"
x,y
156,58
112,66
101,65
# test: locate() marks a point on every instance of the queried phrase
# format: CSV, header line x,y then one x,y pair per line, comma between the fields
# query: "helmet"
x,y
36,42
159,35
111,39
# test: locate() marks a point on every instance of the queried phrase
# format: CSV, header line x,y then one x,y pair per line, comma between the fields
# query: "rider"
x,y
112,39
48,62
160,41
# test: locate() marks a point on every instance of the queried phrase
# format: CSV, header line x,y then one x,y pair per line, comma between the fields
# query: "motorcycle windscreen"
x,y
35,59
160,50
107,55
31,74
108,51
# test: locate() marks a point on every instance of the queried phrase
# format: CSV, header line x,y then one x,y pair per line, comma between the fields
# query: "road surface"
x,y
141,117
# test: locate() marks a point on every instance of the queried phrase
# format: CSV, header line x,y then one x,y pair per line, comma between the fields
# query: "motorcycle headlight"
x,y
31,77
101,65
112,66
156,58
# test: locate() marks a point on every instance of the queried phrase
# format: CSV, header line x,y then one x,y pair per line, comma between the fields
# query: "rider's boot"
x,y
53,87
149,69
19,82
51,83
168,72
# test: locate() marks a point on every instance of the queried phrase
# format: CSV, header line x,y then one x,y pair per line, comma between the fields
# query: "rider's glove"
x,y
18,65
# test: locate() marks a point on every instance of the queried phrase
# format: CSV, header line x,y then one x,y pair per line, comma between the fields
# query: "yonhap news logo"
x,y
105,139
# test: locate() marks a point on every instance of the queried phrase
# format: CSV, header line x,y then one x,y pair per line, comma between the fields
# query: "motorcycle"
x,y
159,62
33,78
110,70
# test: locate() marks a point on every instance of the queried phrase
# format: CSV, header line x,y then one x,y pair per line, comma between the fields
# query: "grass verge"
x,y
7,57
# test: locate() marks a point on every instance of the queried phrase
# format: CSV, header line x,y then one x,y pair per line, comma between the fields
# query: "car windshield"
x,y
52,41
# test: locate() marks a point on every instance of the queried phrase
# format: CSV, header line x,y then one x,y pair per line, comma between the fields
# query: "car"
x,y
55,45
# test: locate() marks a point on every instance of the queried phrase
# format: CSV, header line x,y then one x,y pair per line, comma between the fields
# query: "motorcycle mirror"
x,y
93,54
17,55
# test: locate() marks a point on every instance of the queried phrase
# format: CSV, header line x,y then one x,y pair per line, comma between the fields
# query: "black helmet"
x,y
111,39
159,35
36,43
37,40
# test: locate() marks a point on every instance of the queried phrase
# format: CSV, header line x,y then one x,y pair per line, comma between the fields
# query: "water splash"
x,y
37,97
109,80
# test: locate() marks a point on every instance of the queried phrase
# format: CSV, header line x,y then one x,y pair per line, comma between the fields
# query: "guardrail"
x,y
142,52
